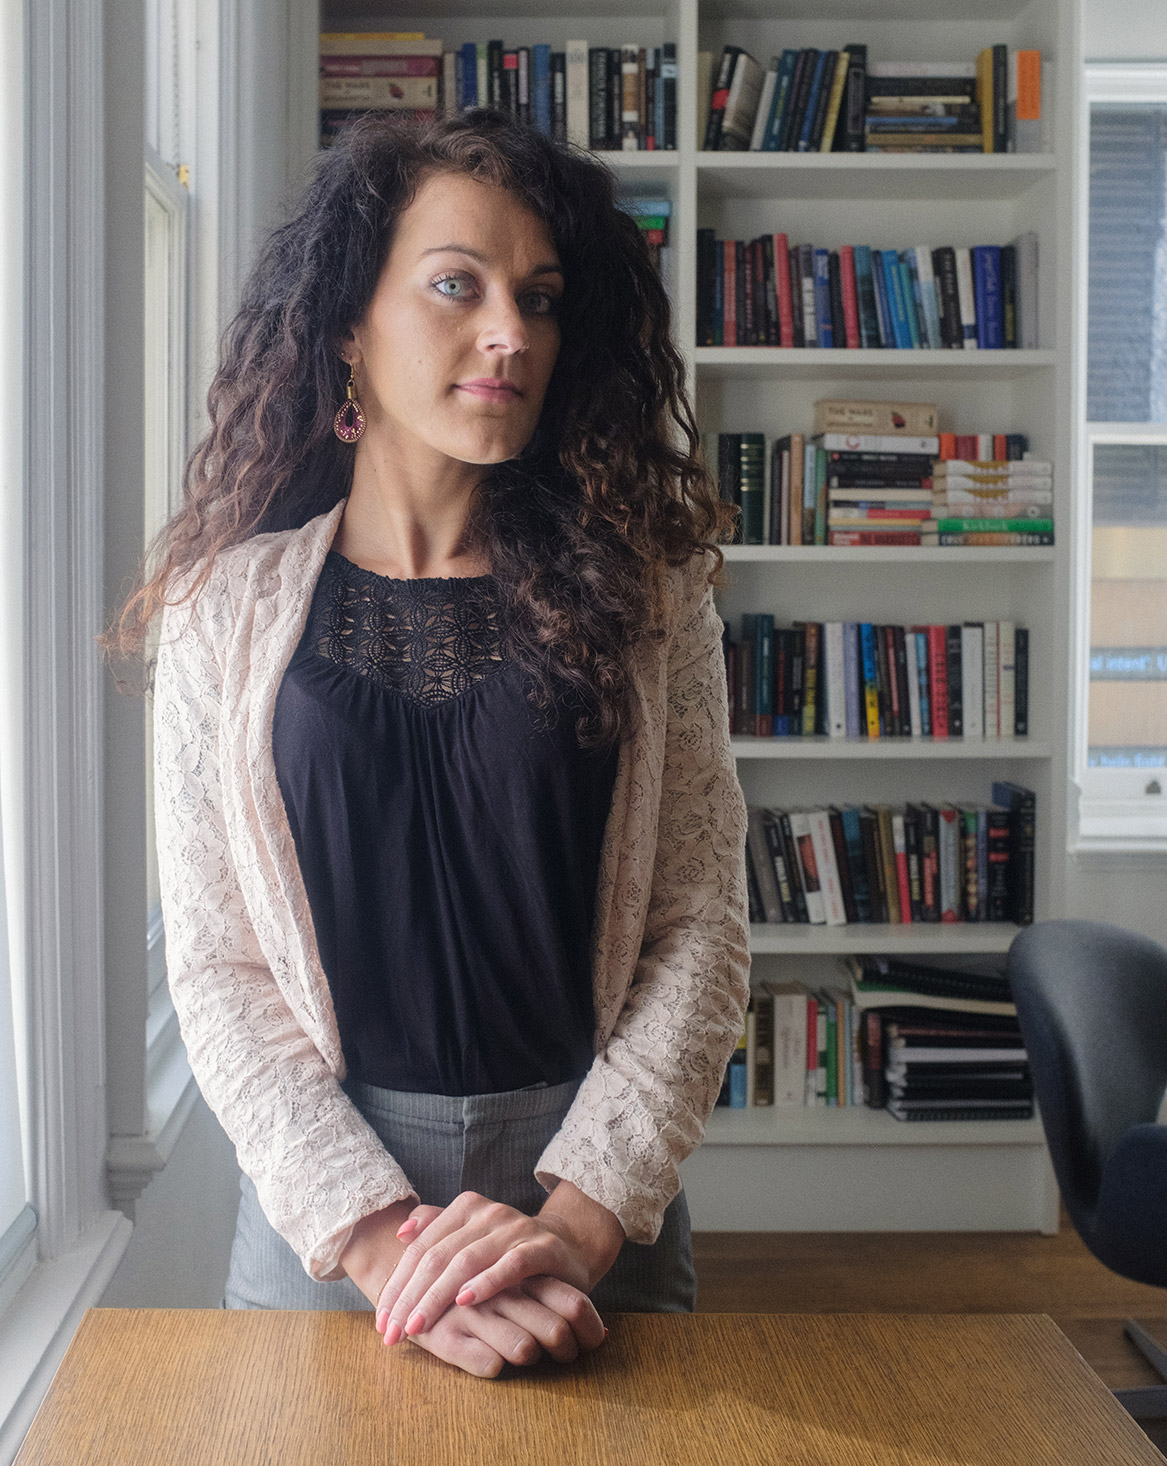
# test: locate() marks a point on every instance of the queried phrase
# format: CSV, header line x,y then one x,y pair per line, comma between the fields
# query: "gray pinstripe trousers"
x,y
447,1144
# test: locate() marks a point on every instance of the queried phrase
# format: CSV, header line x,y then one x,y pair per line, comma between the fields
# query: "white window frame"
x,y
1114,811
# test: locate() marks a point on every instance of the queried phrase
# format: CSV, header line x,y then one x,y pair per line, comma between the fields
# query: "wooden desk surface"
x,y
204,1387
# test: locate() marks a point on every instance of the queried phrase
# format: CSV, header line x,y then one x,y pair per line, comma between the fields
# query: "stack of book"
x,y
898,864
939,1044
837,101
376,71
603,97
880,473
924,1042
865,680
991,501
652,218
767,292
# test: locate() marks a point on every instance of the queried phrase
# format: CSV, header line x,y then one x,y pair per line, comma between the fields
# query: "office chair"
x,y
1092,1004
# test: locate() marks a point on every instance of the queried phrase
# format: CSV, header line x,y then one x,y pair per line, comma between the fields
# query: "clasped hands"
x,y
515,1284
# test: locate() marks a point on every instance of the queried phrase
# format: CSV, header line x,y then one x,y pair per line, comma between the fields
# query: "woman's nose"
x,y
504,331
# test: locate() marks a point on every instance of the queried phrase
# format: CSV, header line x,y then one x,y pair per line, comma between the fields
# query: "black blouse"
x,y
449,840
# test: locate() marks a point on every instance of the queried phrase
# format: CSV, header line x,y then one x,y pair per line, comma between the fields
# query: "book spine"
x,y
830,885
850,296
949,858
808,868
851,136
782,286
967,298
824,331
834,102
900,850
986,261
720,97
834,661
1021,682
955,673
938,680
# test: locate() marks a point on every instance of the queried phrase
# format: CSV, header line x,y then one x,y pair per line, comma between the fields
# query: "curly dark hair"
x,y
579,527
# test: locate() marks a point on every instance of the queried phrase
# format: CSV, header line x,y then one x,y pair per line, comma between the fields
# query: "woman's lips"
x,y
490,393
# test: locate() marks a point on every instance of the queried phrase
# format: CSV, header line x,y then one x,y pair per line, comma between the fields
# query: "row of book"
x,y
849,679
822,101
602,97
652,218
919,862
767,292
923,1042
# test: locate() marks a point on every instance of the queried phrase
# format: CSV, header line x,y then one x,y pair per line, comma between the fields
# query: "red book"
x,y
901,855
1000,446
850,295
893,684
729,294
880,513
873,537
947,446
966,447
782,288
938,679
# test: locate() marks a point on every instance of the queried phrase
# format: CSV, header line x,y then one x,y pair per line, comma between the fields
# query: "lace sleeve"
x,y
318,1166
644,1103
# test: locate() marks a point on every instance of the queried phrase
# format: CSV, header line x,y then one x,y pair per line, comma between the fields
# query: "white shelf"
x,y
858,1125
802,939
892,554
774,363
867,177
819,747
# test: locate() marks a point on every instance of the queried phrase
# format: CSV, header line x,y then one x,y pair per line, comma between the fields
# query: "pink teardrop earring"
x,y
349,422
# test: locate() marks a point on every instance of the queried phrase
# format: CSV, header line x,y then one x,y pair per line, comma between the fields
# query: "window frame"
x,y
1112,812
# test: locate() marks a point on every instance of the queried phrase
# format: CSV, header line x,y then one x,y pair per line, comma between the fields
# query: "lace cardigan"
x,y
670,939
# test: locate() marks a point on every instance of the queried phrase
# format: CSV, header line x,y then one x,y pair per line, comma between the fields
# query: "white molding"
x,y
36,1329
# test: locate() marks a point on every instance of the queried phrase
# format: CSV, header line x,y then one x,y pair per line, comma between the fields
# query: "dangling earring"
x,y
349,422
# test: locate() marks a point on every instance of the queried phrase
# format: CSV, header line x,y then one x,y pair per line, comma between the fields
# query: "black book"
x,y
797,676
791,850
1022,803
770,294
838,319
944,1110
668,84
901,675
524,78
883,684
778,860
936,982
800,86
939,1022
706,262
871,1050
822,103
850,132
745,294
559,96
912,851
999,841
922,86
948,296
1009,293
796,295
739,284
1021,682
757,912
869,838
598,97
510,83
929,863
494,50
720,95
615,97
896,465
839,841
955,684
1000,99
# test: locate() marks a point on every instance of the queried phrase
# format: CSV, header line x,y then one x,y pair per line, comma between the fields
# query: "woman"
x,y
450,837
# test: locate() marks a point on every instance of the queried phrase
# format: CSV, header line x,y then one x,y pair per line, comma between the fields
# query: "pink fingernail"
x,y
465,1296
392,1331
415,1323
407,1226
382,1319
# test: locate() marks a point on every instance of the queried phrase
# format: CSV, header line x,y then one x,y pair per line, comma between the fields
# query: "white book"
x,y
948,848
828,868
578,120
741,106
1013,467
816,911
482,66
770,81
809,320
1006,681
992,680
876,443
972,669
1026,245
966,297
967,70
927,280
836,679
789,1044
913,668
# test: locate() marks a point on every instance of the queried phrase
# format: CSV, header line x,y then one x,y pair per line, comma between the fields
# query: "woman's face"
x,y
470,290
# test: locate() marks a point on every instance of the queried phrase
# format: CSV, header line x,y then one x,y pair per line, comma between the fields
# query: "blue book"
x,y
719,292
779,102
922,681
928,294
812,103
822,298
986,263
895,295
983,862
887,335
658,107
469,97
737,1080
921,309
865,295
809,471
764,663
542,60
870,664
909,294
851,692
855,862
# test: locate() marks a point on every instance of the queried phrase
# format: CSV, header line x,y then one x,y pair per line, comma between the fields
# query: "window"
x,y
1122,732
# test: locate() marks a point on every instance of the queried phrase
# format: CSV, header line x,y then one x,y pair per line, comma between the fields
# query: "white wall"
x,y
1124,30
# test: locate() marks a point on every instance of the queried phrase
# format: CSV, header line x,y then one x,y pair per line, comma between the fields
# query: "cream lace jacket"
x,y
670,944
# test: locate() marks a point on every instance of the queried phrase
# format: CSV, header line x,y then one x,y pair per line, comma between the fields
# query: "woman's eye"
x,y
547,304
456,280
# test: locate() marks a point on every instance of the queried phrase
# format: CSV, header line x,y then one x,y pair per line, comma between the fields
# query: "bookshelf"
x,y
855,1170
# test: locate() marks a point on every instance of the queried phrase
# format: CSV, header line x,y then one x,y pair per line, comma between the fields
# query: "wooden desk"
x,y
204,1387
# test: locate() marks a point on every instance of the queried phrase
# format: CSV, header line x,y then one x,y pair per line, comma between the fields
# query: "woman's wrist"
x,y
374,1249
596,1233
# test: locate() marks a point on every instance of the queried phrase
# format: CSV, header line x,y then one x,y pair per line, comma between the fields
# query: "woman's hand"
x,y
478,1248
516,1327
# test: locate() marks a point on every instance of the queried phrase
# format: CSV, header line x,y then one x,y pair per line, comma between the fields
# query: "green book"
x,y
820,496
995,526
752,478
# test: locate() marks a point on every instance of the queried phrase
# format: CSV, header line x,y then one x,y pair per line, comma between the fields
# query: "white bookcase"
x,y
829,1169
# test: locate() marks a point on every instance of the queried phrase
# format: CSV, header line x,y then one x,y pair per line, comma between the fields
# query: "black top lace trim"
x,y
429,640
